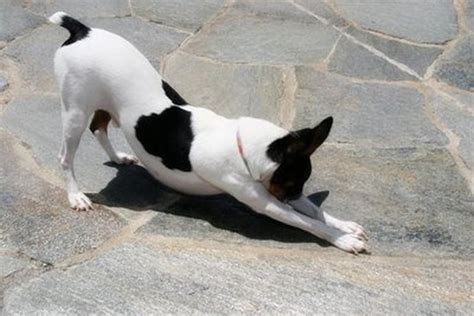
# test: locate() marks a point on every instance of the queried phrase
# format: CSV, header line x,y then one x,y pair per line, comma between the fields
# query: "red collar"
x,y
241,152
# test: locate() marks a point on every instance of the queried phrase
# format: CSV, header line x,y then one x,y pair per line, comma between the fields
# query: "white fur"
x,y
104,71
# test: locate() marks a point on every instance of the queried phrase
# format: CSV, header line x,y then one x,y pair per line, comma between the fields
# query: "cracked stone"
x,y
458,121
143,278
36,120
265,40
230,90
83,8
365,114
395,195
457,67
35,215
9,265
418,58
139,34
35,52
183,14
323,10
419,21
353,60
15,21
3,83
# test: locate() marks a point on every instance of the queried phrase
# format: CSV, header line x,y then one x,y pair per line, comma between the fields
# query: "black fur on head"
x,y
292,152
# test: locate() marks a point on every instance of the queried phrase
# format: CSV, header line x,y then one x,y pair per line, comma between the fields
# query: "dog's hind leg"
x,y
74,124
98,127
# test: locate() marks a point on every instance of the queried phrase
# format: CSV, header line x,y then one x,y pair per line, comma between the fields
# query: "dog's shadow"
x,y
134,188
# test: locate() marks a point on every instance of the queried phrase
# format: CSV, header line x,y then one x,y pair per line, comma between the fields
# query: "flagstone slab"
x,y
412,201
459,121
230,90
162,278
264,40
15,20
10,265
187,15
457,67
323,10
83,8
417,58
35,52
35,216
36,120
365,114
418,21
353,60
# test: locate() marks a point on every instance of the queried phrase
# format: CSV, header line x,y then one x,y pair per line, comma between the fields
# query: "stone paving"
x,y
398,77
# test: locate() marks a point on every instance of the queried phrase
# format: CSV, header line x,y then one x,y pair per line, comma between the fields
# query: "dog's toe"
x,y
125,159
80,202
351,243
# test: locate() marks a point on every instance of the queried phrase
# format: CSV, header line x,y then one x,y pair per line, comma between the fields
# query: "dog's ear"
x,y
302,142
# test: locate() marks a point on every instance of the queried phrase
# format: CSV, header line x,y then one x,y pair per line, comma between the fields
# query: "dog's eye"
x,y
289,184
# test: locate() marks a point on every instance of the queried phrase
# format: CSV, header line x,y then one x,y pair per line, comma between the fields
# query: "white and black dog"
x,y
188,148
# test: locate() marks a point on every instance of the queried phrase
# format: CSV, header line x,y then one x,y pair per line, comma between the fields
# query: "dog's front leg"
x,y
305,206
260,200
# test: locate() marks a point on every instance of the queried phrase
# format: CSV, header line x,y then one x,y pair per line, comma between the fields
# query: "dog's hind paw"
x,y
80,202
125,159
351,243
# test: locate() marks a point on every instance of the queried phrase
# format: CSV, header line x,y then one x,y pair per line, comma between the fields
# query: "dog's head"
x,y
292,154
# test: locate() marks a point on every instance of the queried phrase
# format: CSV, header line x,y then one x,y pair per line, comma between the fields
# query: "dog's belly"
x,y
186,182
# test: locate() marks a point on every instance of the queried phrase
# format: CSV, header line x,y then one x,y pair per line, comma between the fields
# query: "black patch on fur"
x,y
172,94
77,29
167,135
291,175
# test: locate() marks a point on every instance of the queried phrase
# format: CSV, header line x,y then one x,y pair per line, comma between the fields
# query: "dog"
x,y
188,148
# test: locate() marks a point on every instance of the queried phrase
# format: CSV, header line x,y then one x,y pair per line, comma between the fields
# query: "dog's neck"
x,y
256,135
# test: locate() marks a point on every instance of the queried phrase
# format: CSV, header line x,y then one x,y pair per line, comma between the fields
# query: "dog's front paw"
x,y
79,201
351,243
125,159
352,228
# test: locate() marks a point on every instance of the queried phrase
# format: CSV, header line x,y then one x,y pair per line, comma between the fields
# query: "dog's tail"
x,y
77,30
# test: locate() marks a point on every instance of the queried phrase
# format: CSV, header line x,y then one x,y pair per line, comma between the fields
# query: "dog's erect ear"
x,y
316,136
302,142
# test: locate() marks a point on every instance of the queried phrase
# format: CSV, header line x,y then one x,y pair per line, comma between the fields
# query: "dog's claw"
x,y
125,159
80,202
351,243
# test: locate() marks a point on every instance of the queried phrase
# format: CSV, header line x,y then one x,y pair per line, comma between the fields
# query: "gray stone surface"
x,y
353,60
412,201
35,215
368,115
15,21
419,20
186,278
35,53
457,67
231,89
469,15
39,125
267,40
139,34
184,14
458,120
147,249
9,265
418,58
3,83
83,8
322,10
